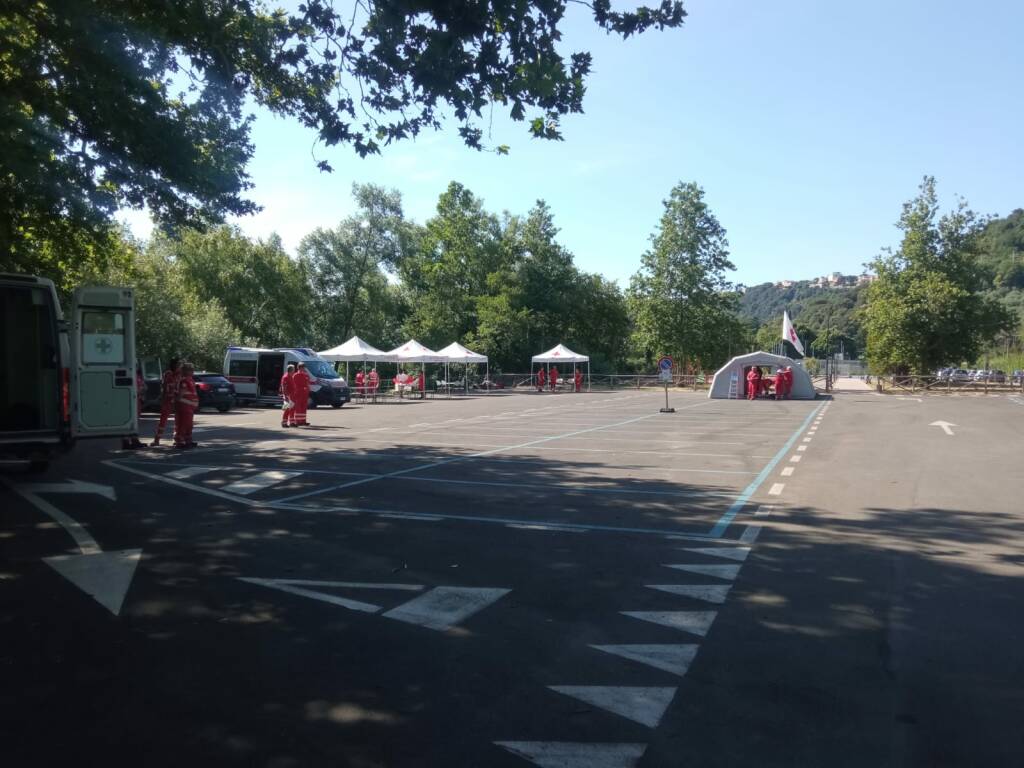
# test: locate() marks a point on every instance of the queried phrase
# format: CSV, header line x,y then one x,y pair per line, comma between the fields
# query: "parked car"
x,y
997,377
214,391
961,375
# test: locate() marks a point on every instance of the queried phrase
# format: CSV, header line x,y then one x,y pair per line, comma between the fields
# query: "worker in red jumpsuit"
x,y
168,398
360,383
578,378
778,382
300,394
287,401
540,380
373,380
753,382
787,382
186,405
421,384
553,378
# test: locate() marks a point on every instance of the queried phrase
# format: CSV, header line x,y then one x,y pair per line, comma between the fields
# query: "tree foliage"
x,y
125,103
925,309
680,300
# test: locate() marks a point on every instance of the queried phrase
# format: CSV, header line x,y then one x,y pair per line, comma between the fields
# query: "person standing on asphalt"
x,y
421,384
186,405
578,379
553,378
753,382
287,401
787,382
374,382
168,398
360,383
300,394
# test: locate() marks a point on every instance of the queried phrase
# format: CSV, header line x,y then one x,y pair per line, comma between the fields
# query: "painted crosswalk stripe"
x,y
795,459
750,534
443,607
776,489
186,472
571,754
694,622
728,572
644,705
259,481
729,553
764,510
710,593
675,658
787,471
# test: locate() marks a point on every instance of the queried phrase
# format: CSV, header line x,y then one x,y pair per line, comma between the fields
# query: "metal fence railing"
x,y
945,384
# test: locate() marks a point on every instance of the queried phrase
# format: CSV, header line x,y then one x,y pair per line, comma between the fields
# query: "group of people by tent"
x,y
763,384
355,350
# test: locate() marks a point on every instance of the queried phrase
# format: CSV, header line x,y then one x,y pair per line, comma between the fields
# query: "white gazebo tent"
x,y
414,352
561,354
456,353
355,350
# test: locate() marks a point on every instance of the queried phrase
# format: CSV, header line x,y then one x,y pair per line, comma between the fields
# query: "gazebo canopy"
x,y
456,353
560,354
414,352
355,350
730,382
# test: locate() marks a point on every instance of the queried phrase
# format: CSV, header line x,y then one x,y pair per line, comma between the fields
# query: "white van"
x,y
62,381
256,374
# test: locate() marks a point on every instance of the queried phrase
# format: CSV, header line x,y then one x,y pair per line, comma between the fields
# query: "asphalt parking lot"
x,y
556,579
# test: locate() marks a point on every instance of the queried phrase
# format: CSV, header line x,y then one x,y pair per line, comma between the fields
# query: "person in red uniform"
x,y
287,401
553,378
168,398
578,378
300,394
779,383
186,405
360,383
373,380
541,379
753,382
787,382
421,385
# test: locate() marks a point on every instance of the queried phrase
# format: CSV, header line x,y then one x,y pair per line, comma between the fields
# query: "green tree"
x,y
346,266
925,309
120,103
680,301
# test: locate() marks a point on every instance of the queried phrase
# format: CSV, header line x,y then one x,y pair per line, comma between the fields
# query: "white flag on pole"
x,y
789,333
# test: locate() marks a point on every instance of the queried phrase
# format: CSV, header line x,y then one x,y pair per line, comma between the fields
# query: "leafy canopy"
x,y
124,103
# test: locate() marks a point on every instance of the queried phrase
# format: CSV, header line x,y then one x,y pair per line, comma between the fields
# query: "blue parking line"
x,y
741,500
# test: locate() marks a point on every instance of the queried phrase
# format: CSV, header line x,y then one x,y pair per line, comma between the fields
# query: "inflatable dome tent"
x,y
736,371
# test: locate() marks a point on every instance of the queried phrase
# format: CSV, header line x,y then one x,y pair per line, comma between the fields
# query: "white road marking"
x,y
644,705
443,607
710,593
104,576
344,602
787,471
259,481
570,754
727,572
193,471
808,439
764,510
730,553
945,426
399,516
694,622
801,447
750,534
776,489
668,658
795,459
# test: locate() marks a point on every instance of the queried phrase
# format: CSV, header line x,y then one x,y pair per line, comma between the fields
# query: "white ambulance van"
x,y
63,380
256,374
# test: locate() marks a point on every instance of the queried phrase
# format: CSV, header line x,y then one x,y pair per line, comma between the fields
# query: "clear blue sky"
x,y
807,123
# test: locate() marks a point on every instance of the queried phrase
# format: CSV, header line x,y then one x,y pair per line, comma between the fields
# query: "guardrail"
x,y
945,385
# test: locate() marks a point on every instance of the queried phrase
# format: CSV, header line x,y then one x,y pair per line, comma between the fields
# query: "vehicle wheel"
x,y
223,408
312,405
336,405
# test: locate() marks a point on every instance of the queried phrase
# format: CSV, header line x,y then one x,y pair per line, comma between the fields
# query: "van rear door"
x,y
103,400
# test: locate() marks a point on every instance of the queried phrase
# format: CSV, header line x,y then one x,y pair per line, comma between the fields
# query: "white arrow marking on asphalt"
x,y
730,553
104,576
443,607
259,481
694,622
711,593
569,754
718,571
641,705
944,426
668,658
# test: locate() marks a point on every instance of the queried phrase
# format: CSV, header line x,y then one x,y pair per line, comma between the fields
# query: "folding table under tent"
x,y
414,352
561,354
456,353
730,380
355,350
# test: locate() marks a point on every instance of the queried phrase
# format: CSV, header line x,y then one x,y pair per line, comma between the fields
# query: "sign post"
x,y
665,376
